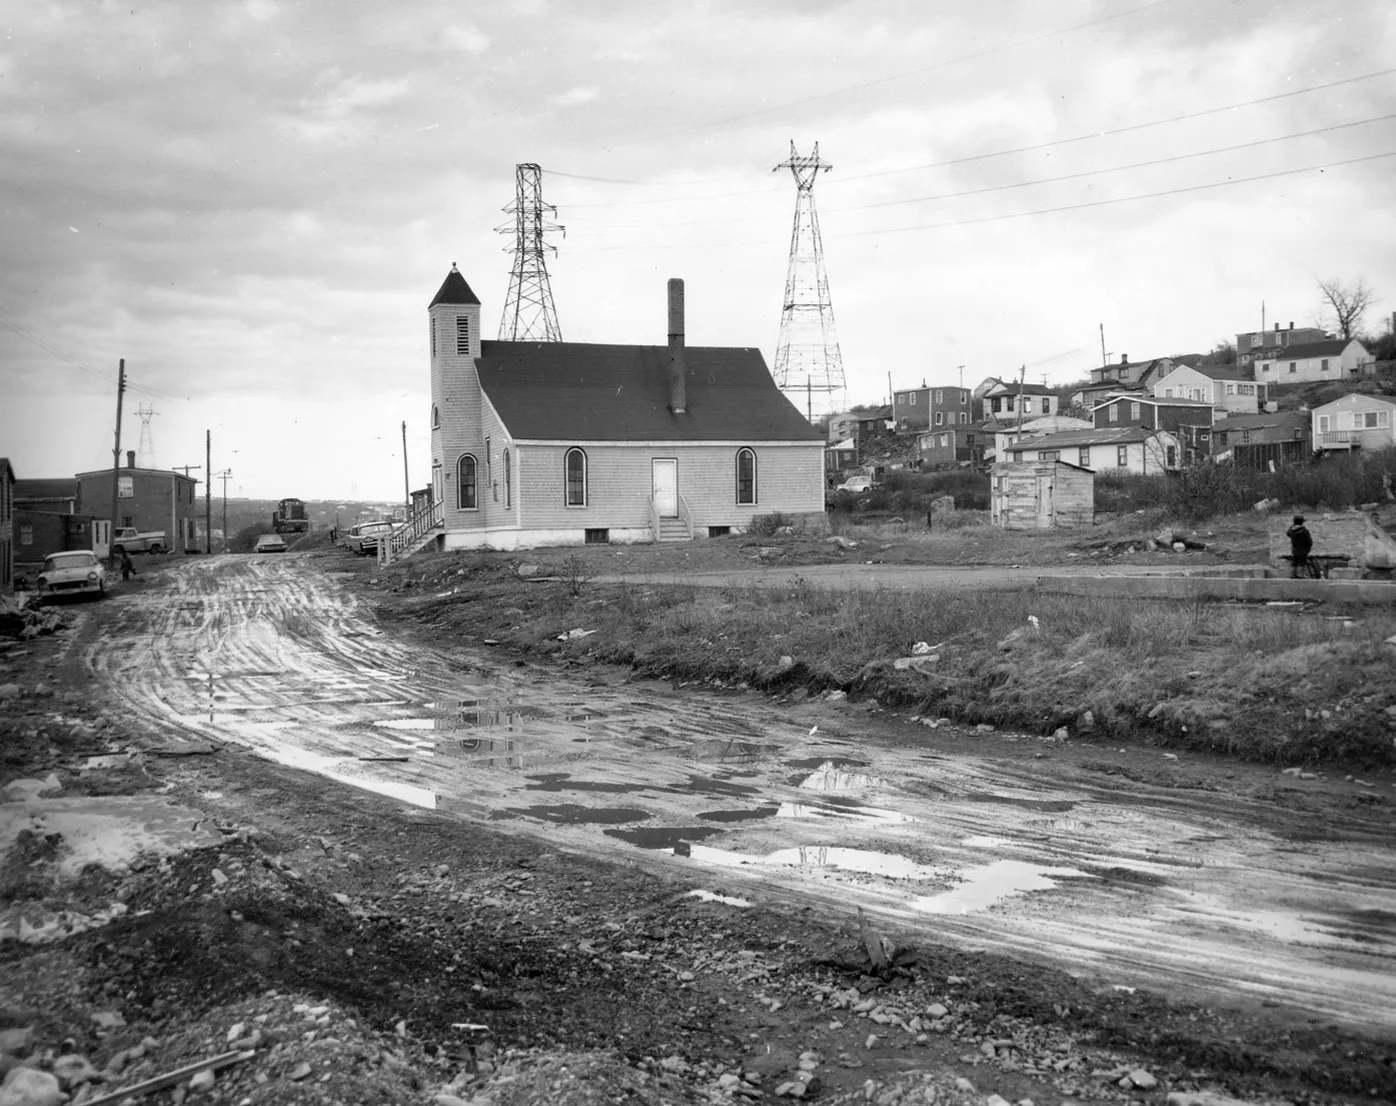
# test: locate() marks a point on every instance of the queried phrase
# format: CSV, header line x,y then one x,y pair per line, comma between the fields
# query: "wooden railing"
x,y
429,517
686,516
654,520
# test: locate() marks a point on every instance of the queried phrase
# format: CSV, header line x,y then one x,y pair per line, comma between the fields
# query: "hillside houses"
x,y
1311,362
1228,389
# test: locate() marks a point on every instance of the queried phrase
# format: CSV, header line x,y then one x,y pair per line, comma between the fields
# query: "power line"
x,y
1122,130
984,156
895,76
82,366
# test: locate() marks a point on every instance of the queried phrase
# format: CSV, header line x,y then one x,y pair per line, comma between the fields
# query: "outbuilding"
x,y
1041,495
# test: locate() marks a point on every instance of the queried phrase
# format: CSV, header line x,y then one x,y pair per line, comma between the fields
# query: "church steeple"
x,y
454,291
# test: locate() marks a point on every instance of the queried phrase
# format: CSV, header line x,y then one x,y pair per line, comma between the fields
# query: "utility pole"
x,y
1022,376
962,376
208,492
406,484
224,477
186,469
116,463
1104,360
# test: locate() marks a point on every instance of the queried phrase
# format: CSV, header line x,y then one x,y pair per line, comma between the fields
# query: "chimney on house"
x,y
130,458
1124,359
678,372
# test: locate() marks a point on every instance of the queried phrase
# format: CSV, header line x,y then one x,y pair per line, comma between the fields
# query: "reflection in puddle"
x,y
864,861
733,750
870,813
712,896
831,777
572,814
484,752
561,781
702,785
664,837
826,762
983,887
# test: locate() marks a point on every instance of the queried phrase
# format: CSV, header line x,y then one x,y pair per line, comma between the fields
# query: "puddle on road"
x,y
830,777
703,785
739,815
713,896
870,813
990,884
826,762
1047,806
484,752
562,781
664,837
572,815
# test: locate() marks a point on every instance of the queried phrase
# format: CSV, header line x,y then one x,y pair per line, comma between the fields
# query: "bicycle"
x,y
1305,568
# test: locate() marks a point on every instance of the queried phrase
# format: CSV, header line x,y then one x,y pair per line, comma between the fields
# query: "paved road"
x,y
1170,883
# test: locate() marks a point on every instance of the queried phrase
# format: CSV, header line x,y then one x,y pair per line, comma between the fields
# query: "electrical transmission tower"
x,y
145,449
809,366
529,314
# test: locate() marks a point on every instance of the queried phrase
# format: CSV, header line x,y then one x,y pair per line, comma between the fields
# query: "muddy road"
x,y
1194,877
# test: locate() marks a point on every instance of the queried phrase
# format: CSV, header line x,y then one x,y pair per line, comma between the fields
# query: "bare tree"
x,y
1346,303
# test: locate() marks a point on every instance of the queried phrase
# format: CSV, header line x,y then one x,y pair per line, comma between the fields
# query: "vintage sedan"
x,y
363,538
75,573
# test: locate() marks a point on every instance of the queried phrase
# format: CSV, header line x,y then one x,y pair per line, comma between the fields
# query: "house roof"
x,y
576,391
1009,388
454,290
1110,436
127,470
1355,397
5,462
1333,347
1154,401
875,413
41,488
1261,419
1220,372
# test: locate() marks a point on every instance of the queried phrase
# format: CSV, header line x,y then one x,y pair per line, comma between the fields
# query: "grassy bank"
x,y
1256,682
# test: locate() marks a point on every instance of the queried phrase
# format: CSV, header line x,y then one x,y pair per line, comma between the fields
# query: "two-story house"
x,y
1009,401
148,499
1189,421
924,408
1253,345
1136,449
1228,389
1123,377
1311,362
1354,421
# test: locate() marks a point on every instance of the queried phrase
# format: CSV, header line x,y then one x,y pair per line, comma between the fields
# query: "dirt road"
x,y
1190,877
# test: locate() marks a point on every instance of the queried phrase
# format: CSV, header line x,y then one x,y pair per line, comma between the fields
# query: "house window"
x,y
433,337
1134,412
1168,393
1049,455
964,418
467,497
435,417
1171,458
1231,389
1046,405
945,441
911,399
125,487
1084,457
1114,412
1122,456
1323,365
1294,366
26,533
507,466
575,467
463,334
489,471
1373,419
940,395
940,418
964,398
746,476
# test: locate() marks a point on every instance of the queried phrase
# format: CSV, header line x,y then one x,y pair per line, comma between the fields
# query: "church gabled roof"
x,y
578,391
454,290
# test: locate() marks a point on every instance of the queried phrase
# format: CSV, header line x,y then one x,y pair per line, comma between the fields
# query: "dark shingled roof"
x,y
575,391
39,488
1331,348
454,290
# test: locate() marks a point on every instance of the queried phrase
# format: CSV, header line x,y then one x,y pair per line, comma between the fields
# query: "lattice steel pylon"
x,y
529,314
809,366
145,449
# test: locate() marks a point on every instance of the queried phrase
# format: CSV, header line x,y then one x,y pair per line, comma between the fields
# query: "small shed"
x,y
1041,495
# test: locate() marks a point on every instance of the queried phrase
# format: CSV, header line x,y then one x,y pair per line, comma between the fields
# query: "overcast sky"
x,y
253,203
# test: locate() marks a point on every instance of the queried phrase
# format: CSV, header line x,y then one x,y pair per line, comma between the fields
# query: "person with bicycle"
x,y
1300,543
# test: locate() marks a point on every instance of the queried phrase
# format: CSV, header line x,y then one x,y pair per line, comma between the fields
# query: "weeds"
x,y
575,573
765,526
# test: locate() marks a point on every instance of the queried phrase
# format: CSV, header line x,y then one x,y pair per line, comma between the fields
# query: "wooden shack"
x,y
1041,495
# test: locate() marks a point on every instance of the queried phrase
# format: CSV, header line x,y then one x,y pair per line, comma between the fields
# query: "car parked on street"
x,y
79,572
363,538
856,484
270,543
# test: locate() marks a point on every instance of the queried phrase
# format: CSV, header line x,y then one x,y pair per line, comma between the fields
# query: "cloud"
x,y
574,97
468,39
353,93
260,11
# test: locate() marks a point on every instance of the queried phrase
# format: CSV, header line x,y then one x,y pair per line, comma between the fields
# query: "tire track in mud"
x,y
1140,885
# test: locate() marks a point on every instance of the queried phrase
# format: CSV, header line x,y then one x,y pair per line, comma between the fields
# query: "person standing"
x,y
128,568
1300,542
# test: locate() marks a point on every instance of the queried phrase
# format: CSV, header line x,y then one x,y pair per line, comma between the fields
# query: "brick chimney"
x,y
130,458
1124,359
678,372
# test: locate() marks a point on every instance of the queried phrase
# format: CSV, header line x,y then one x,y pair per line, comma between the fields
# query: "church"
x,y
565,443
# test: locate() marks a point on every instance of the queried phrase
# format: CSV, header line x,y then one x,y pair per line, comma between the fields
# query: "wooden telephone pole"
x,y
406,483
116,463
208,492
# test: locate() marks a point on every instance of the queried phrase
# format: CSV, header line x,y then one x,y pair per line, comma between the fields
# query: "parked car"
x,y
270,543
74,573
363,538
856,484
130,540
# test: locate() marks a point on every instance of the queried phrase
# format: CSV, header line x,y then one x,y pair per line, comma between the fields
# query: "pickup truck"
x,y
130,540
